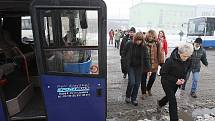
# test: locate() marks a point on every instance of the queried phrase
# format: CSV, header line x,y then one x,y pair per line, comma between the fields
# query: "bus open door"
x,y
70,43
17,66
3,115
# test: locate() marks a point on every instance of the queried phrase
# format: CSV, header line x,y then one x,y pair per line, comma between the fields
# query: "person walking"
x,y
128,37
173,74
111,35
155,58
117,38
164,47
136,57
181,34
198,55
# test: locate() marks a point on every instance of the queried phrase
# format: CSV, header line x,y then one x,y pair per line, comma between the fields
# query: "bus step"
x,y
33,110
35,118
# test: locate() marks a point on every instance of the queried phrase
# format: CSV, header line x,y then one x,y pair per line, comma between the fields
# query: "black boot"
x,y
124,76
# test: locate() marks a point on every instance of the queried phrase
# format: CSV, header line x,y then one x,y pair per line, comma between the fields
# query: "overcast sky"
x,y
120,8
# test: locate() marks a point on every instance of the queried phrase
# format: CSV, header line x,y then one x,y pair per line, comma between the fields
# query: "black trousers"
x,y
170,90
146,87
124,67
117,44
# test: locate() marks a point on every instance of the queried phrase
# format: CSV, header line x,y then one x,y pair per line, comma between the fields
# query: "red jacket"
x,y
164,46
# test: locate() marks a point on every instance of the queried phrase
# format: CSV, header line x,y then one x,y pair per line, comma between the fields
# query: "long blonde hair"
x,y
153,33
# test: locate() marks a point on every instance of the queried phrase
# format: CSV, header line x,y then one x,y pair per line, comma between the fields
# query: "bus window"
x,y
75,30
69,61
210,27
201,28
191,29
27,34
48,32
70,40
26,23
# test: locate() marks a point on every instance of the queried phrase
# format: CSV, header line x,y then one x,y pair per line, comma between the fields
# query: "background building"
x,y
117,24
205,10
170,17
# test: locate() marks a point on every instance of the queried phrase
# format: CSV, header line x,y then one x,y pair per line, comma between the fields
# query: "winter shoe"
x,y
149,93
143,96
135,103
193,94
158,107
127,100
124,76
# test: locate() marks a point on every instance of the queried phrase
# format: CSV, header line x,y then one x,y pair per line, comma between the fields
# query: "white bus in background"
x,y
203,27
27,34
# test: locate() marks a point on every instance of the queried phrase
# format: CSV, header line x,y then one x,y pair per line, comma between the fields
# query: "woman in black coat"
x,y
173,73
136,58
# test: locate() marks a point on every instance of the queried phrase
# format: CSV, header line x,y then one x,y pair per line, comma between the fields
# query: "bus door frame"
x,y
4,115
101,47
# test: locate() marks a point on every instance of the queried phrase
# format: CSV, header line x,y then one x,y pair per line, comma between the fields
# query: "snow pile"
x,y
206,117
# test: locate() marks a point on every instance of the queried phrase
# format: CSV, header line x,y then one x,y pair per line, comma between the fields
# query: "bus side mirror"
x,y
83,19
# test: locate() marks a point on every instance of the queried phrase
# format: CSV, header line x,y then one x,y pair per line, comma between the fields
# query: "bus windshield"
x,y
210,27
196,27
201,27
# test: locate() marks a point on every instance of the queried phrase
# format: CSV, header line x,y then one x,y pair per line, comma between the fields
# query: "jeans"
x,y
195,79
117,44
134,78
170,90
151,81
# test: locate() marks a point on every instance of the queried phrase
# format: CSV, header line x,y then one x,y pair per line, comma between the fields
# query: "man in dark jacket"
x,y
128,37
198,55
173,73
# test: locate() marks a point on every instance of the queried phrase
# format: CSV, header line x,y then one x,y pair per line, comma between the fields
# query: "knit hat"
x,y
132,29
198,40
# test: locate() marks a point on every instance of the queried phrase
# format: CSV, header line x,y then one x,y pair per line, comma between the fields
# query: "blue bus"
x,y
62,74
203,27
